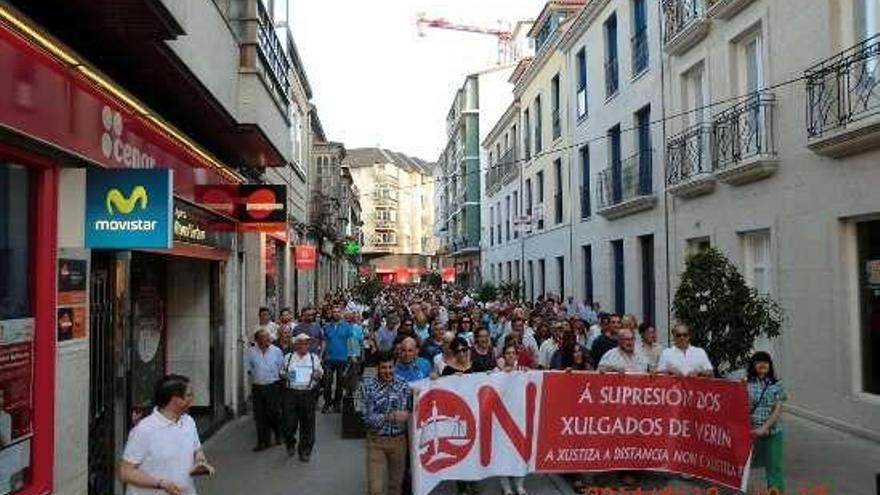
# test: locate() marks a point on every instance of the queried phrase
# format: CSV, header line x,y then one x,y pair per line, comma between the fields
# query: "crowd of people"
x,y
414,332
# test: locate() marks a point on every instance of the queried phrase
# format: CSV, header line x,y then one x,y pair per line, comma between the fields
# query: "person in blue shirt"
x,y
433,346
410,367
337,332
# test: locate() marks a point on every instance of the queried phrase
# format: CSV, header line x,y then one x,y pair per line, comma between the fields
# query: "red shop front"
x,y
57,112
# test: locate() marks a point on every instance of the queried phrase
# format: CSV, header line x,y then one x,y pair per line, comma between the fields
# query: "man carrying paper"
x,y
300,374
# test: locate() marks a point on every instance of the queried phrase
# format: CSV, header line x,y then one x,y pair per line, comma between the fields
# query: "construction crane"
x,y
506,48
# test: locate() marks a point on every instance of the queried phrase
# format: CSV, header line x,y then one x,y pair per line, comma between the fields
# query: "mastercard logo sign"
x,y
247,203
262,203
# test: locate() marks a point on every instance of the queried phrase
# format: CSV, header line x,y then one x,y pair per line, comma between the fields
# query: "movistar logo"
x,y
117,203
126,205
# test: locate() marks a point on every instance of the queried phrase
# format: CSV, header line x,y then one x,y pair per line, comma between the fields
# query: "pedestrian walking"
x,y
483,355
507,364
410,366
264,362
301,374
336,334
648,344
311,328
163,451
460,363
766,396
683,358
387,409
624,358
608,339
266,323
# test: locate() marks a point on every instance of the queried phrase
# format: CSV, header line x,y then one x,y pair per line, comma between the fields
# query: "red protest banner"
x,y
613,421
583,421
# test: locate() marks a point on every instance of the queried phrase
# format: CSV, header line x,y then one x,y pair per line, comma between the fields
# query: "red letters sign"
x,y
305,257
584,421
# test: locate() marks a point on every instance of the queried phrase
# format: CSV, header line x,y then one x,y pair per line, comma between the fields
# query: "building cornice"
x,y
542,58
500,126
582,22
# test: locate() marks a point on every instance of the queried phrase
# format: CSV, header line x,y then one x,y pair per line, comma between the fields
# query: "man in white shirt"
x,y
267,324
301,375
163,451
549,347
624,358
264,362
684,359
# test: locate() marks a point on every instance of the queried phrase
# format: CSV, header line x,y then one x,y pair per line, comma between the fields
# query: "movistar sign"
x,y
129,209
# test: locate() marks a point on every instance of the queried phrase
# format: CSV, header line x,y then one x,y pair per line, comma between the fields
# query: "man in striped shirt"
x,y
387,409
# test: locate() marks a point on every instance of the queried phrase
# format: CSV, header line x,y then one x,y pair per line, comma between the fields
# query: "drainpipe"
x,y
666,196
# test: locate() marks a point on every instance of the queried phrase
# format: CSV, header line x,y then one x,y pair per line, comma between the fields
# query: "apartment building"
x,y
334,216
747,125
771,143
537,203
612,52
475,108
397,201
213,91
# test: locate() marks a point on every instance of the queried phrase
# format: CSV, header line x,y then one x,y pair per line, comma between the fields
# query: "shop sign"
x,y
53,103
872,269
256,207
447,274
128,209
72,314
351,248
305,257
195,226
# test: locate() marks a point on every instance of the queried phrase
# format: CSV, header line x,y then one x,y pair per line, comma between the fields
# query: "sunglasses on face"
x,y
681,335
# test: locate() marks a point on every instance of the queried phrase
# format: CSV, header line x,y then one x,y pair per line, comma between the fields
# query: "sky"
x,y
375,82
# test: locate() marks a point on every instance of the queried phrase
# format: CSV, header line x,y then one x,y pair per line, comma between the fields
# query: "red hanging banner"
x,y
306,257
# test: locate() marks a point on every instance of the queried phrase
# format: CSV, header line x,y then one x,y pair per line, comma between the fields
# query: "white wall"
x,y
72,357
189,324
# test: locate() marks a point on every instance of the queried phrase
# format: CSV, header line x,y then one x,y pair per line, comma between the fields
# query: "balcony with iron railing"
x,y
271,53
382,200
627,188
843,101
743,148
725,9
640,56
612,80
689,162
508,166
684,24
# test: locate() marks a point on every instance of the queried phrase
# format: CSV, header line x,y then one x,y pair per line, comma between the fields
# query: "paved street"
x,y
815,457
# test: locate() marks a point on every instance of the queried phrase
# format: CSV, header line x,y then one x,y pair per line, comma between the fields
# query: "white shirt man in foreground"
x,y
163,451
682,358
624,358
302,374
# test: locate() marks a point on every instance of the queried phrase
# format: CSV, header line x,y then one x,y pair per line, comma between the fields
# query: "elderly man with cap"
x,y
301,375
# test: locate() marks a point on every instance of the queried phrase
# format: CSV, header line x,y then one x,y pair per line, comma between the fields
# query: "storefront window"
x,y
16,328
15,220
869,264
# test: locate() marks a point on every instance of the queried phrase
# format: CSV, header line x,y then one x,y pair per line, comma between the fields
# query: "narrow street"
x,y
337,465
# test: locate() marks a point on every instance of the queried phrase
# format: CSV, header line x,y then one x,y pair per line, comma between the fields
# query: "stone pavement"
x,y
816,458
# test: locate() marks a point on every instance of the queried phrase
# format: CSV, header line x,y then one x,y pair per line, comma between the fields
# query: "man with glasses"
x,y
682,358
